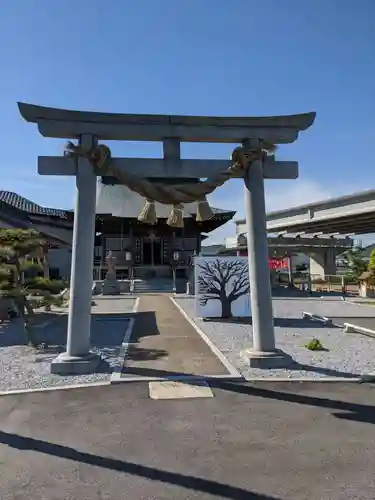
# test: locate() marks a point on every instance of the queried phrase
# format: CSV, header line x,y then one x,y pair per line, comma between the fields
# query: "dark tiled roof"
x,y
13,215
210,250
220,211
28,206
18,202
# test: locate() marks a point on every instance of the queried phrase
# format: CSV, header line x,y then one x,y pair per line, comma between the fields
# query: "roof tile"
x,y
28,206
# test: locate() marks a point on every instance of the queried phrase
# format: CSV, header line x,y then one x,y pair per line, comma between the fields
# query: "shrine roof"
x,y
26,213
13,216
19,202
119,201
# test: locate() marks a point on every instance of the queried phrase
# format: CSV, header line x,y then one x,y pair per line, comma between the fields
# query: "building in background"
x,y
141,250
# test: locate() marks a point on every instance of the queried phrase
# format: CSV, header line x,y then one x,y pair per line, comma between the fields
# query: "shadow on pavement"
x,y
189,482
136,371
278,322
136,353
329,372
351,411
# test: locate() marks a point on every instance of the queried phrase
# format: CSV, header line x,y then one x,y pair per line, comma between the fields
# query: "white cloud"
x,y
287,194
279,195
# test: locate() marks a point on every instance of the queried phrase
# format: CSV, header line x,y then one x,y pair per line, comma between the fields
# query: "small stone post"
x,y
290,271
264,354
78,358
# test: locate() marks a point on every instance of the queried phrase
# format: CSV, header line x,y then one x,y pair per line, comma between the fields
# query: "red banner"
x,y
273,262
278,263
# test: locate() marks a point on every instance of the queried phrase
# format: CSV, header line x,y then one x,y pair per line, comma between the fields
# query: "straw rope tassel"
x,y
176,217
204,211
148,213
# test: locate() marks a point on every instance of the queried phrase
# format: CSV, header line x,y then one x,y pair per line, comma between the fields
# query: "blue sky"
x,y
203,57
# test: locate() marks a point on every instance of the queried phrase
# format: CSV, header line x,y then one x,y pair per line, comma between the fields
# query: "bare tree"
x,y
223,280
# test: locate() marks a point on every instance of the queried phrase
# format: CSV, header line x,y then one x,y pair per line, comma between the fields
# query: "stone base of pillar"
x,y
111,286
268,360
75,365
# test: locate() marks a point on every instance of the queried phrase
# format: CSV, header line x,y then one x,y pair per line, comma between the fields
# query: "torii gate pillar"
x,y
78,358
89,127
264,353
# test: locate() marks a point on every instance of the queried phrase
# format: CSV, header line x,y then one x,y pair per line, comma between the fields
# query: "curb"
x,y
370,378
326,380
351,328
320,319
360,379
348,327
87,385
178,378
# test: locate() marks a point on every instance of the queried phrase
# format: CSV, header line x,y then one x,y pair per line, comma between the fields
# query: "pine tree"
x,y
371,264
354,263
22,252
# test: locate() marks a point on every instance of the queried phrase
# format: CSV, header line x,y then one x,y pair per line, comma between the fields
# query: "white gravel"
x,y
347,355
23,367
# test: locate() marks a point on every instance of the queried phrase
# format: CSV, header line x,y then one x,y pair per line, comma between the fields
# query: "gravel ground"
x,y
346,355
23,367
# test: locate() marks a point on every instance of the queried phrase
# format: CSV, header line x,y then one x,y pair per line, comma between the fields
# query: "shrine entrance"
x,y
253,161
152,251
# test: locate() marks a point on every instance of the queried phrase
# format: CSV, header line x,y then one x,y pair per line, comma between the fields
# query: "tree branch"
x,y
216,274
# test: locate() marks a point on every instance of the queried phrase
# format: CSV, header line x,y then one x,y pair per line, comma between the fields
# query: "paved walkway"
x,y
164,343
249,442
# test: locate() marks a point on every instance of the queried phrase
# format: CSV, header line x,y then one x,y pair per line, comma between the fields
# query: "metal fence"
x,y
315,282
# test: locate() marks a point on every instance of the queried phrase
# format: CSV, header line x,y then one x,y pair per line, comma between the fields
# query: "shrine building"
x,y
141,251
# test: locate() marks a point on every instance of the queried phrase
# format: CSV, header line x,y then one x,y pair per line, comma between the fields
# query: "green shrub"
x,y
4,273
49,300
6,285
314,345
58,301
46,285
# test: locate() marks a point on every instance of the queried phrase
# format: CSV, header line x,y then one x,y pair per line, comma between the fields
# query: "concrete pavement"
x,y
279,441
164,342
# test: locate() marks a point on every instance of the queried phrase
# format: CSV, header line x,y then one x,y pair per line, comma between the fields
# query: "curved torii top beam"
x,y
61,123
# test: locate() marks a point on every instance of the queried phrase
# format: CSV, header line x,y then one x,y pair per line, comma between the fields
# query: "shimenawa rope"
x,y
176,194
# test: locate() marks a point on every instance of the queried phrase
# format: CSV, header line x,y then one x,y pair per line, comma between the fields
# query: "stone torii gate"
x,y
90,127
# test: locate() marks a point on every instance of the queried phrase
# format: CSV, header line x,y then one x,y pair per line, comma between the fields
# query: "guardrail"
x,y
314,282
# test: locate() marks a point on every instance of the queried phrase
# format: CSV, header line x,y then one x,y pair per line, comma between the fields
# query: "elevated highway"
x,y
322,249
346,215
286,242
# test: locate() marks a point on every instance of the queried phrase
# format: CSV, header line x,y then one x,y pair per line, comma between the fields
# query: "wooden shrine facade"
x,y
153,250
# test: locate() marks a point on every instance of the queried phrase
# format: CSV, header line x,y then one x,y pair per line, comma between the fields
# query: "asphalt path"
x,y
266,441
